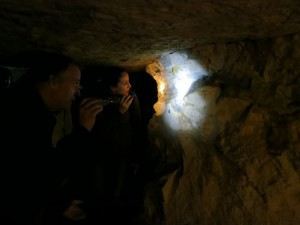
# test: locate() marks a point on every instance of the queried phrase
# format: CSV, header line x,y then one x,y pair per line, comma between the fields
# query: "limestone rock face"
x,y
241,165
135,32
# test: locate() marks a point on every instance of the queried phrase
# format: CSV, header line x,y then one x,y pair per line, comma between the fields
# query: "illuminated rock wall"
x,y
241,164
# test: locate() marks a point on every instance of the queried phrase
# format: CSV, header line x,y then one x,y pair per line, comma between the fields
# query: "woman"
x,y
119,140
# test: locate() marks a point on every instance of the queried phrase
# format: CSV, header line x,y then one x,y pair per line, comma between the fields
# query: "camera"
x,y
107,101
98,89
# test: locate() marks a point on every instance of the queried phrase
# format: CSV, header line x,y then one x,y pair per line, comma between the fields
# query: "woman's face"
x,y
123,86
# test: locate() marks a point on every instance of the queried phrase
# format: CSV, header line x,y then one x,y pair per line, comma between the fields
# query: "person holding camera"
x,y
108,177
33,168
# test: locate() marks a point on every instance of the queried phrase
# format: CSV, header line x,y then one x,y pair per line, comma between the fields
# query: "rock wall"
x,y
241,165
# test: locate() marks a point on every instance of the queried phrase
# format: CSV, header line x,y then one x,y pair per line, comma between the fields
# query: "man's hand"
x,y
89,108
74,212
125,103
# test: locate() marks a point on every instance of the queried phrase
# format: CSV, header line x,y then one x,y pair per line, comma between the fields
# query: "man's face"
x,y
123,86
67,86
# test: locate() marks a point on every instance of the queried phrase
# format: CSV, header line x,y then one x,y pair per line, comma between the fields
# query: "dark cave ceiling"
x,y
134,32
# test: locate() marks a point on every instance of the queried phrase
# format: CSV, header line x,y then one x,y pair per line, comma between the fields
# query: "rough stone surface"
x,y
133,33
242,164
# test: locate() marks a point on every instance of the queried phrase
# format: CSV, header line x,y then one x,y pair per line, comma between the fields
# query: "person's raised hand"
x,y
74,212
89,108
125,103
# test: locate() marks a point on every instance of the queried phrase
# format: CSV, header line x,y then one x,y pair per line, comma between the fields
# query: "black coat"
x,y
32,168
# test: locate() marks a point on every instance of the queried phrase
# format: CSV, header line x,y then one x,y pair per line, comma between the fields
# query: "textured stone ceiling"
x,y
134,32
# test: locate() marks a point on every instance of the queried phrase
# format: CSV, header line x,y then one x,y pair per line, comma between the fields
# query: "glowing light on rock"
x,y
184,110
161,87
157,72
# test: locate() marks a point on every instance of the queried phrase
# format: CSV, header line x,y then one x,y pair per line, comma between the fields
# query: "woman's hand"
x,y
125,103
89,108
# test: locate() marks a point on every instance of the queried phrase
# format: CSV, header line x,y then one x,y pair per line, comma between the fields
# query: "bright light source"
x,y
182,83
184,110
161,87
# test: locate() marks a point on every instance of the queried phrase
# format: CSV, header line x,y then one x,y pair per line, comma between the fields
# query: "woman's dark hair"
x,y
97,80
112,75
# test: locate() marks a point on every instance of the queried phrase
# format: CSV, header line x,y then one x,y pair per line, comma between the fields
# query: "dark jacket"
x,y
32,169
107,174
